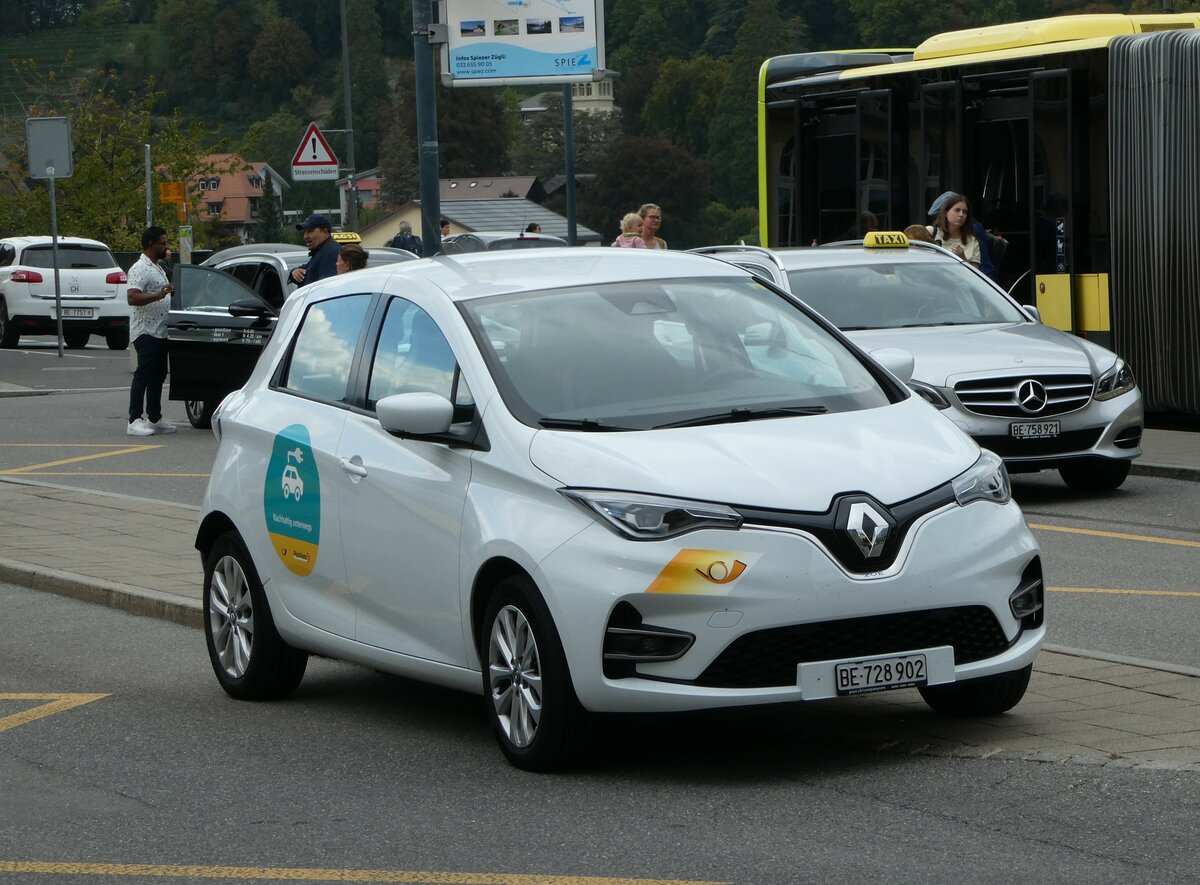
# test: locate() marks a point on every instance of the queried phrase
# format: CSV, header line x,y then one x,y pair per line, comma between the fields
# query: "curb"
x,y
31,391
135,600
1166,471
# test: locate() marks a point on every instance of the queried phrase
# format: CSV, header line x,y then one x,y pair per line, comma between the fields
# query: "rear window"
x,y
78,257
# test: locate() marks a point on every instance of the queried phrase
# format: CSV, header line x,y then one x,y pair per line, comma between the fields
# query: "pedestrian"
x,y
445,227
533,228
351,256
322,251
984,237
952,228
630,236
148,296
406,239
652,220
920,233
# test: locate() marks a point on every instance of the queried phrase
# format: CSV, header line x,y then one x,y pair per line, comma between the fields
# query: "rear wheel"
x,y
8,335
986,696
76,340
251,660
117,340
1095,475
531,703
199,413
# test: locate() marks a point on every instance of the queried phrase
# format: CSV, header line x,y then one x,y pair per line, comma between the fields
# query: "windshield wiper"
x,y
594,425
732,416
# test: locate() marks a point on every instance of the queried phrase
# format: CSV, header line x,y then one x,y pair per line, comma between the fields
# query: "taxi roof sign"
x,y
885,239
346,236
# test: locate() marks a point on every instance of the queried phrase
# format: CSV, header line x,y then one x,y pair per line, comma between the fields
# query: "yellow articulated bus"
x,y
1076,138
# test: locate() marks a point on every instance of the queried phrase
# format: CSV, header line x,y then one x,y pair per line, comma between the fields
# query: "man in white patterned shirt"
x,y
149,295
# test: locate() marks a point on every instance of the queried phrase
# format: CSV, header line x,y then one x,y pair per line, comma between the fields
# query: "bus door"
x,y
941,139
998,169
879,204
825,168
1064,299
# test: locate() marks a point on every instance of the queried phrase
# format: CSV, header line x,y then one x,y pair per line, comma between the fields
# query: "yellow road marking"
x,y
97,473
1121,592
417,877
126,450
56,445
1150,539
58,703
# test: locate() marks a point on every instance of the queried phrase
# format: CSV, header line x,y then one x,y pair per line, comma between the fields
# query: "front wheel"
x,y
985,696
1095,475
199,413
531,703
250,658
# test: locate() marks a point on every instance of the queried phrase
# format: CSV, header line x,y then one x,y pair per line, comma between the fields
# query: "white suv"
x,y
92,287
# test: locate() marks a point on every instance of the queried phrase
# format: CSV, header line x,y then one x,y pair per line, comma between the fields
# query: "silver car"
x,y
1038,397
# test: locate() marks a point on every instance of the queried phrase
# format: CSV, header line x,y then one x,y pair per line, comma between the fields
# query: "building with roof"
x,y
231,192
513,213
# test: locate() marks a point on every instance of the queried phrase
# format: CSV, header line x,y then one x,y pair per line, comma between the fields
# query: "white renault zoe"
x,y
595,480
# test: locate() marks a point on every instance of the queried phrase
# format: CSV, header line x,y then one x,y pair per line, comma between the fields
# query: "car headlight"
x,y
930,394
985,480
651,518
1114,382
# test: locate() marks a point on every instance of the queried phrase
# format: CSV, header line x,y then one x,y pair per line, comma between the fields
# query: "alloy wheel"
x,y
231,616
515,676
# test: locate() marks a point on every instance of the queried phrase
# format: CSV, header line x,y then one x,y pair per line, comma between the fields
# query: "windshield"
x,y
68,257
892,296
647,354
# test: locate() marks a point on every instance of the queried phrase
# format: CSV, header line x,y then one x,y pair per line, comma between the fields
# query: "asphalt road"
x,y
366,772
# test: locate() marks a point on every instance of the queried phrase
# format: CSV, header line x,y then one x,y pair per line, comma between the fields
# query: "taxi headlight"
x,y
651,518
985,480
1114,382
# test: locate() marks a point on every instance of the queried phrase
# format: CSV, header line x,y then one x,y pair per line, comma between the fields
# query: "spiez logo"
x,y
703,572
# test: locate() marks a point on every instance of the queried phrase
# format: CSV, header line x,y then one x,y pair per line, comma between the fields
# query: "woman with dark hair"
x,y
954,230
351,257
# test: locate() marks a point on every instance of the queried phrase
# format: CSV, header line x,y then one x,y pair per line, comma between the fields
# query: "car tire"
x,y
76,340
249,657
9,336
199,413
117,340
985,696
1095,475
540,727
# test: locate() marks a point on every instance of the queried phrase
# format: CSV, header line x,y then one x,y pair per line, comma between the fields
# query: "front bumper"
x,y
955,558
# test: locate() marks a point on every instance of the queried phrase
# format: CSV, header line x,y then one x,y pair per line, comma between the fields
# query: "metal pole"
x,y
569,159
149,196
54,258
353,221
427,140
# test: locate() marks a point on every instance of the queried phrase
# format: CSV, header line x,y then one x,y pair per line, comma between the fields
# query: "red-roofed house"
x,y
231,193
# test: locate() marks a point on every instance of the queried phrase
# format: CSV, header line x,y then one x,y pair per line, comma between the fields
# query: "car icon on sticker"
x,y
293,485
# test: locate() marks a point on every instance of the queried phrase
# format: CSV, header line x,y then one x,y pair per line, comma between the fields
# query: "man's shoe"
x,y
140,427
160,426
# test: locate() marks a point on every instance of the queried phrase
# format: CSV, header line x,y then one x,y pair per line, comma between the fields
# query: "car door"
x,y
292,429
402,500
211,351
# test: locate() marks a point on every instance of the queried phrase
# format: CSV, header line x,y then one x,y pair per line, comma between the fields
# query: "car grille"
x,y
1063,444
768,658
998,396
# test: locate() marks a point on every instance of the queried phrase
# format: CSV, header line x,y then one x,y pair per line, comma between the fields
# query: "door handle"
x,y
187,326
353,466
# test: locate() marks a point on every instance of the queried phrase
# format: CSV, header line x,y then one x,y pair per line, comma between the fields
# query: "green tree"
x,y
904,23
540,147
105,197
269,228
274,141
637,170
368,79
682,104
733,136
398,161
281,58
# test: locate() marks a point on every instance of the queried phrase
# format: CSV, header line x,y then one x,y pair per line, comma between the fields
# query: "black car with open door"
x,y
216,330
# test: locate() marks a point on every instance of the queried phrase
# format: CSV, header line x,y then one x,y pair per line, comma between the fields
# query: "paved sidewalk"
x,y
137,555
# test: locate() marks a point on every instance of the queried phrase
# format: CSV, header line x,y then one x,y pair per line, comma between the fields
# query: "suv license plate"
x,y
880,674
1038,430
77,312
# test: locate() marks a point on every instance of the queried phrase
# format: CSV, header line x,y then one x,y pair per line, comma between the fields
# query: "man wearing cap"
x,y
322,251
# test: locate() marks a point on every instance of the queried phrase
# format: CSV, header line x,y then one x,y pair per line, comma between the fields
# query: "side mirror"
x,y
248,307
898,362
1032,312
415,414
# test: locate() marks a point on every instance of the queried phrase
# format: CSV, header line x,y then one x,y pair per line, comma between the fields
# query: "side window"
x,y
243,273
324,348
7,254
413,356
206,289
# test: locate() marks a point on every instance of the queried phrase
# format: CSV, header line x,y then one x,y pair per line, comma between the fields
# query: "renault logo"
x,y
1031,396
867,528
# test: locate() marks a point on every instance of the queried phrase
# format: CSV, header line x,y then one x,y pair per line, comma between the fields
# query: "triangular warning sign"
x,y
314,150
